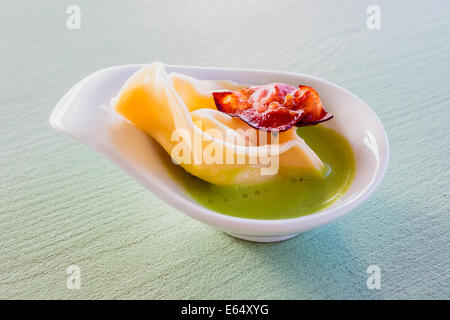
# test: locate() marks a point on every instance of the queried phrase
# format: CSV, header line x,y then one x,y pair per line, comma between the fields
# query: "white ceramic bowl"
x,y
84,113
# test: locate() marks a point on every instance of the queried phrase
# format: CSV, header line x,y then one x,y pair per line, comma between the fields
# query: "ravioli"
x,y
179,112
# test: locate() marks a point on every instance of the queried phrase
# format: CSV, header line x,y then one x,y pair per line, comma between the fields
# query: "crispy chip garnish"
x,y
273,107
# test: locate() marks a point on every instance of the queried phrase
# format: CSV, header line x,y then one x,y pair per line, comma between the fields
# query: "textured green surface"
x,y
62,204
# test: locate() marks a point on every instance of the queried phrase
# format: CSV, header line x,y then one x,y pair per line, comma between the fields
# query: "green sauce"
x,y
286,198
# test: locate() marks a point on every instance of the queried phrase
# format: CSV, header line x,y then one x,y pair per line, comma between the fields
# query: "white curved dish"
x,y
84,113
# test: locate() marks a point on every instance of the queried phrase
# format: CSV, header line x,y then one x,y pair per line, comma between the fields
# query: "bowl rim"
x,y
233,223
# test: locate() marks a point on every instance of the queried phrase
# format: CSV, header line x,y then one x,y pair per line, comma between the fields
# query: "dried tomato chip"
x,y
273,107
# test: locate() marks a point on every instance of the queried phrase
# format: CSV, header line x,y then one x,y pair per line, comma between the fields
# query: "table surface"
x,y
63,204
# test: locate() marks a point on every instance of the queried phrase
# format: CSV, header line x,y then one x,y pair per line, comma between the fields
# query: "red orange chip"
x,y
273,107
